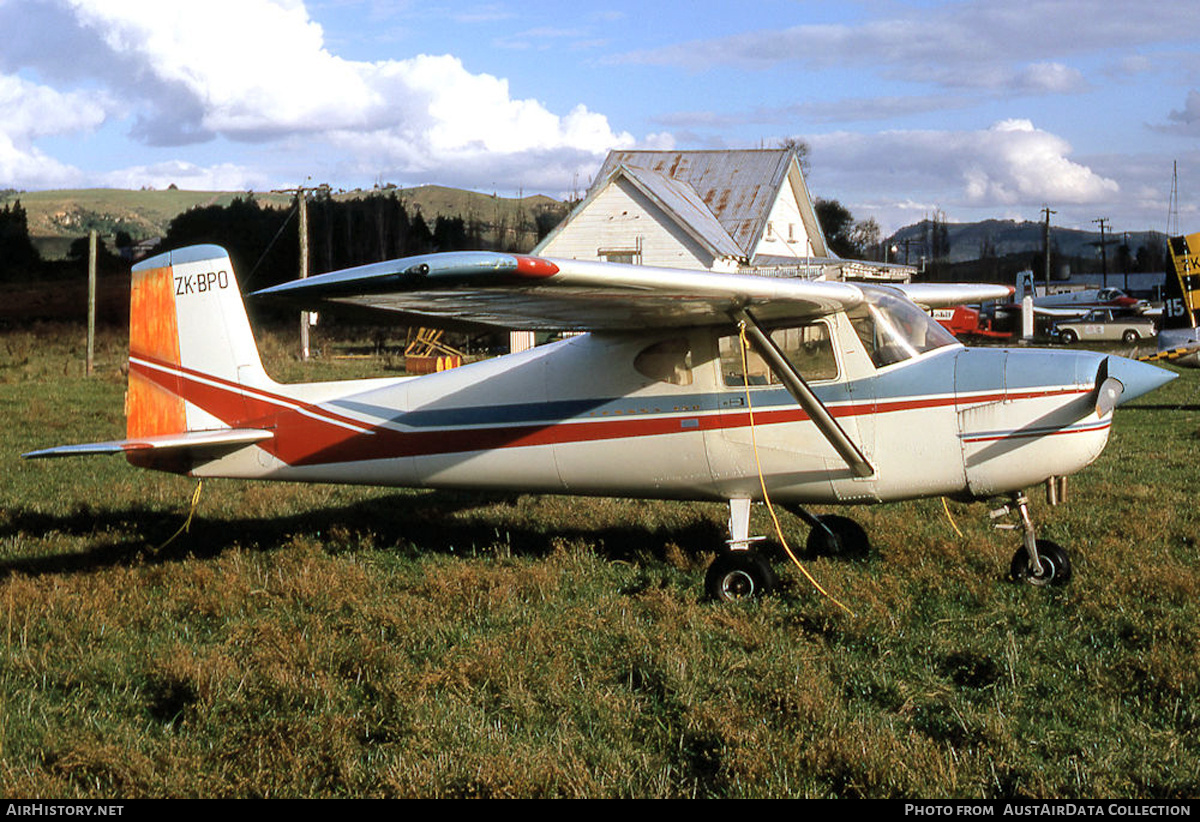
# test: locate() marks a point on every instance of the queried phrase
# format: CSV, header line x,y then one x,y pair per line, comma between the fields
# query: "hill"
x,y
56,218
1003,238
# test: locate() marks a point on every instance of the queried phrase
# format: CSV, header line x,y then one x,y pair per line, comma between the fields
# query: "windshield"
x,y
894,329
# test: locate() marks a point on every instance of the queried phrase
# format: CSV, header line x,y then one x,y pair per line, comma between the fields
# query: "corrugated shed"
x,y
738,187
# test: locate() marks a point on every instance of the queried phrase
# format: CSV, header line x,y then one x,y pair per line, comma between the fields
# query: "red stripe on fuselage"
x,y
308,434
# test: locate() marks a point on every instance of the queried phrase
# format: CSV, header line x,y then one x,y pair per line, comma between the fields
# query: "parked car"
x,y
1104,324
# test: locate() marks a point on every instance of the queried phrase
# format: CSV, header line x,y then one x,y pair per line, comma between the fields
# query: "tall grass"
x,y
311,641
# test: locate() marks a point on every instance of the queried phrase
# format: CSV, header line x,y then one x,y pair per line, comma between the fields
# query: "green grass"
x,y
313,641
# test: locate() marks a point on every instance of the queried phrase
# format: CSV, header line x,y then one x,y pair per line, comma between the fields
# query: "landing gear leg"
x,y
1037,561
739,572
832,535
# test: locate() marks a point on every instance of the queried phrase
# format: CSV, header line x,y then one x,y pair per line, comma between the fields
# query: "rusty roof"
x,y
739,187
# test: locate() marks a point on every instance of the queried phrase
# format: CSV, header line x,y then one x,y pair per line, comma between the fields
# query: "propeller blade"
x,y
1108,390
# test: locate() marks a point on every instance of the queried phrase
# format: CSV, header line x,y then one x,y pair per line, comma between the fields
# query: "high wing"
x,y
513,291
940,295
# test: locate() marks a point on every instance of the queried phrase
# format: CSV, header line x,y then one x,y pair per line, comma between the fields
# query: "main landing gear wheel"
x,y
836,536
738,575
1056,565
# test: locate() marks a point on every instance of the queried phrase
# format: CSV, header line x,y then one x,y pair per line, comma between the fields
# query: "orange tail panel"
x,y
153,334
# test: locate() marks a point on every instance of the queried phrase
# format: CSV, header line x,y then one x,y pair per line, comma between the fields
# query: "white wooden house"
x,y
746,211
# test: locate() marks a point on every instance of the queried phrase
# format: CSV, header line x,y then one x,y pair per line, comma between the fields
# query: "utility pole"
x,y
91,332
301,194
1103,252
1046,244
1125,259
302,205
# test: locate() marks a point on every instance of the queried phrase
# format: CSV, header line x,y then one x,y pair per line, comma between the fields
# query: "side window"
x,y
667,361
879,349
807,347
892,329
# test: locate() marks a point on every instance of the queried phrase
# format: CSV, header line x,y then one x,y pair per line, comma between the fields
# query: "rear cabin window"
x,y
667,361
807,347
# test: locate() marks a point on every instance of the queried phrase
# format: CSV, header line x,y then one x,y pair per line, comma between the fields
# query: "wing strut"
x,y
798,388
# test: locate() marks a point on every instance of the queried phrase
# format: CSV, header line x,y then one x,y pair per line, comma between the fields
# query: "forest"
x,y
263,240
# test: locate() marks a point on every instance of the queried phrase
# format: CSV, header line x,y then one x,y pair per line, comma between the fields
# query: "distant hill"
x,y
56,218
1004,238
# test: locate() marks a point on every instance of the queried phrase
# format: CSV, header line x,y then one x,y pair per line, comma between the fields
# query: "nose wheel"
x,y
1054,562
1038,562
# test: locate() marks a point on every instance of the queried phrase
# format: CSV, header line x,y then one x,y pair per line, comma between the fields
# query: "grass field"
x,y
323,641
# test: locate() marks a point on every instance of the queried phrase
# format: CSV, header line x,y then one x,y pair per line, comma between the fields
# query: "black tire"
x,y
739,575
1056,565
1069,337
849,539
1131,336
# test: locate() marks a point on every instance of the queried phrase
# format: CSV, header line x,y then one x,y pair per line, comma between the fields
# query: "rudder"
x,y
188,329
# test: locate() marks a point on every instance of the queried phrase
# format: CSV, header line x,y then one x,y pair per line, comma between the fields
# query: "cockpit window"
x,y
893,329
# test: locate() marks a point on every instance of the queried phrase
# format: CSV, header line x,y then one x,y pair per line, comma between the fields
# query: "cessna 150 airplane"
x,y
690,385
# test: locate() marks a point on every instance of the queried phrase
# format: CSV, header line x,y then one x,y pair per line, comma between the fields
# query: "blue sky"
x,y
971,108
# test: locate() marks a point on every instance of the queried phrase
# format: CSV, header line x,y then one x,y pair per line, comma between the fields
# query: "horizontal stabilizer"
x,y
212,443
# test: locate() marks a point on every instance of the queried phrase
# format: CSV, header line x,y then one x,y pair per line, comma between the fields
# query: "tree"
x,y
846,238
802,151
865,236
19,257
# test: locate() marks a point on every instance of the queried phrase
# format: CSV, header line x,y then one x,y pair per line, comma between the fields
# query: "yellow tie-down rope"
x,y
763,482
191,513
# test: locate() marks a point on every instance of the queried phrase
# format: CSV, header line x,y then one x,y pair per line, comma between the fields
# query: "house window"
x,y
627,257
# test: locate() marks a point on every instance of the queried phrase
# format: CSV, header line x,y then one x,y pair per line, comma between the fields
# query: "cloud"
x,y
28,167
187,176
1012,165
1187,121
977,44
32,111
253,71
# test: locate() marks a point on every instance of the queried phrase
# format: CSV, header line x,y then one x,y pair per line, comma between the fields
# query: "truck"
x,y
1104,324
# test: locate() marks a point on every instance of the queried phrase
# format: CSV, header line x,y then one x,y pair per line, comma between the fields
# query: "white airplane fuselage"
x,y
704,387
587,416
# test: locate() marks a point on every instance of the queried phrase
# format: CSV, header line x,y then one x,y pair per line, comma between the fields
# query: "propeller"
x,y
1108,390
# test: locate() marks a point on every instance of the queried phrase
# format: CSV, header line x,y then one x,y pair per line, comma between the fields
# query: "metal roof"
x,y
681,200
739,187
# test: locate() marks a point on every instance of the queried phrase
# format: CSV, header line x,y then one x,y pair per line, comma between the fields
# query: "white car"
x,y
1104,324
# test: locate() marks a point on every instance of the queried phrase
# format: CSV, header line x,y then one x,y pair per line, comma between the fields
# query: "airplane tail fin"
x,y
1181,296
188,335
193,364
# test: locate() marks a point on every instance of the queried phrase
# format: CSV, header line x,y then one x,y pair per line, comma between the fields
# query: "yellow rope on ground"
x,y
946,508
763,482
188,523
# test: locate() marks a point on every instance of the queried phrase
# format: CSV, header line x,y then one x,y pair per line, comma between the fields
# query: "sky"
x,y
963,109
